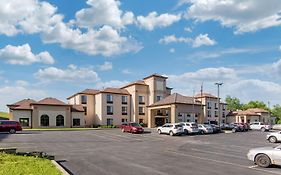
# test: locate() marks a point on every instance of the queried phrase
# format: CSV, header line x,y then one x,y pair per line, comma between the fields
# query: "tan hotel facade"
x,y
147,101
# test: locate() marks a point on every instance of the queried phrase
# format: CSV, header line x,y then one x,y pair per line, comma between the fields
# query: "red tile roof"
x,y
86,91
155,75
23,104
77,108
204,94
138,82
115,91
50,101
176,98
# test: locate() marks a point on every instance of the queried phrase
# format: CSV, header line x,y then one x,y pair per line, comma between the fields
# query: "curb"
x,y
62,170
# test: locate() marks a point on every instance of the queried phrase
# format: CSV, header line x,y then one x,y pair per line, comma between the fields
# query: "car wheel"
x,y
12,131
185,131
233,130
159,131
262,129
272,139
123,130
201,132
262,160
171,133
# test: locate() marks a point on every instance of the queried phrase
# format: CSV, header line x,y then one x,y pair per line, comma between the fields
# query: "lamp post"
x,y
218,85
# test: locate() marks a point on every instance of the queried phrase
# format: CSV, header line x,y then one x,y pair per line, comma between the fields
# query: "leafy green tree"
x,y
255,104
233,103
276,112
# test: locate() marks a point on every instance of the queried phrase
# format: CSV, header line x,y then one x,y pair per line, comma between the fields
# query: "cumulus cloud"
x,y
199,41
105,66
153,20
23,55
111,83
172,50
103,12
71,74
126,71
244,16
187,29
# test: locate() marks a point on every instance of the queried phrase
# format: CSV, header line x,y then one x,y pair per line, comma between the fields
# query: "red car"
x,y
10,126
132,127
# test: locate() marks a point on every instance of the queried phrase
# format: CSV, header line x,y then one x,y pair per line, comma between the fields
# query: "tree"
x,y
233,103
276,112
255,104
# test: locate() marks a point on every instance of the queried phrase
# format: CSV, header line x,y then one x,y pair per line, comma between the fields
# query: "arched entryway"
x,y
59,120
44,120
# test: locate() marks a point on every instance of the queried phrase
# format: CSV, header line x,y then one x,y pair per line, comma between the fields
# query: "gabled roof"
x,y
77,108
257,110
86,91
138,82
23,104
155,75
50,101
248,112
176,98
115,91
204,94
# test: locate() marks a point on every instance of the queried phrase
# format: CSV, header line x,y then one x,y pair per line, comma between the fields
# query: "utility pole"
x,y
218,85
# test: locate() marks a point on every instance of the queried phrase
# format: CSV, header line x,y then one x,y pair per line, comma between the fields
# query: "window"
x,y
158,98
84,99
209,113
44,120
76,122
141,111
85,110
159,113
140,120
109,98
209,105
141,100
124,120
124,110
109,122
59,120
24,121
124,99
216,113
223,114
216,106
109,110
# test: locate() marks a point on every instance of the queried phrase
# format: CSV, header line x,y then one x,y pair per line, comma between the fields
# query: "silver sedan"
x,y
266,156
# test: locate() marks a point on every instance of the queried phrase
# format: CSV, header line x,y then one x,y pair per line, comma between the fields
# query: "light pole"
x,y
218,85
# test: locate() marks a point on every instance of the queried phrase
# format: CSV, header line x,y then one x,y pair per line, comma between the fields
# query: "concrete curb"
x,y
62,170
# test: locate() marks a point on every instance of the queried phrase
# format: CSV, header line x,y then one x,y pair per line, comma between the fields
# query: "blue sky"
x,y
59,47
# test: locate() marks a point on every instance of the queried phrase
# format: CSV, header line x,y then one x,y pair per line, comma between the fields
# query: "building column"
x,y
150,118
245,119
173,114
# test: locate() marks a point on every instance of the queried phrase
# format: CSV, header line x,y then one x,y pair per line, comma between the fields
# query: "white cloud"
x,y
103,12
111,83
279,48
105,66
172,50
28,16
71,74
153,20
187,29
126,71
23,55
202,40
244,16
199,41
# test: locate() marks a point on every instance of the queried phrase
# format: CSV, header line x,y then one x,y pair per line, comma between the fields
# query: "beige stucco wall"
x,y
187,109
52,112
17,114
98,109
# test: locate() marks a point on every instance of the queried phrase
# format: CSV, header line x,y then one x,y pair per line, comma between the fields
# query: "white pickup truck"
x,y
260,126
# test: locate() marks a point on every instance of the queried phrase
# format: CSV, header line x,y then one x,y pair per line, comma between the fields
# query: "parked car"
x,y
10,126
274,137
266,156
276,127
190,127
260,126
242,126
132,127
216,128
205,129
171,129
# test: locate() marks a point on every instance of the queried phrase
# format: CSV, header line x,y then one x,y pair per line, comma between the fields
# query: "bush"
x,y
143,124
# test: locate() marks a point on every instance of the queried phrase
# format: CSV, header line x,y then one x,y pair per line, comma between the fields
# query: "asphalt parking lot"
x,y
111,152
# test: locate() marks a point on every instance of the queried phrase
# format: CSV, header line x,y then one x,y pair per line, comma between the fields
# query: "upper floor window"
x,y
209,113
85,110
141,111
109,98
209,105
124,99
84,99
109,110
158,98
216,106
216,113
124,110
141,100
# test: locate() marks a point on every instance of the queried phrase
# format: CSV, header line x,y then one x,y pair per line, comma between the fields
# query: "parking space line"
x,y
215,153
222,162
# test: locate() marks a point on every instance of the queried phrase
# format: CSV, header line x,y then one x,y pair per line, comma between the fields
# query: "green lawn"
x,y
4,115
23,165
60,129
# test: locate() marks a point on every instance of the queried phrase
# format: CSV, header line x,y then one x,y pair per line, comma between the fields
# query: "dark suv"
x,y
10,126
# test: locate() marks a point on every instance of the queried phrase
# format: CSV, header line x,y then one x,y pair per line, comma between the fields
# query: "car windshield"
x,y
135,124
206,126
194,124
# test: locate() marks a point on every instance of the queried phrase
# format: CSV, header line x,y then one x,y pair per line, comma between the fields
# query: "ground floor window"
x,y
124,120
223,121
140,120
59,120
44,120
24,121
76,122
109,121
